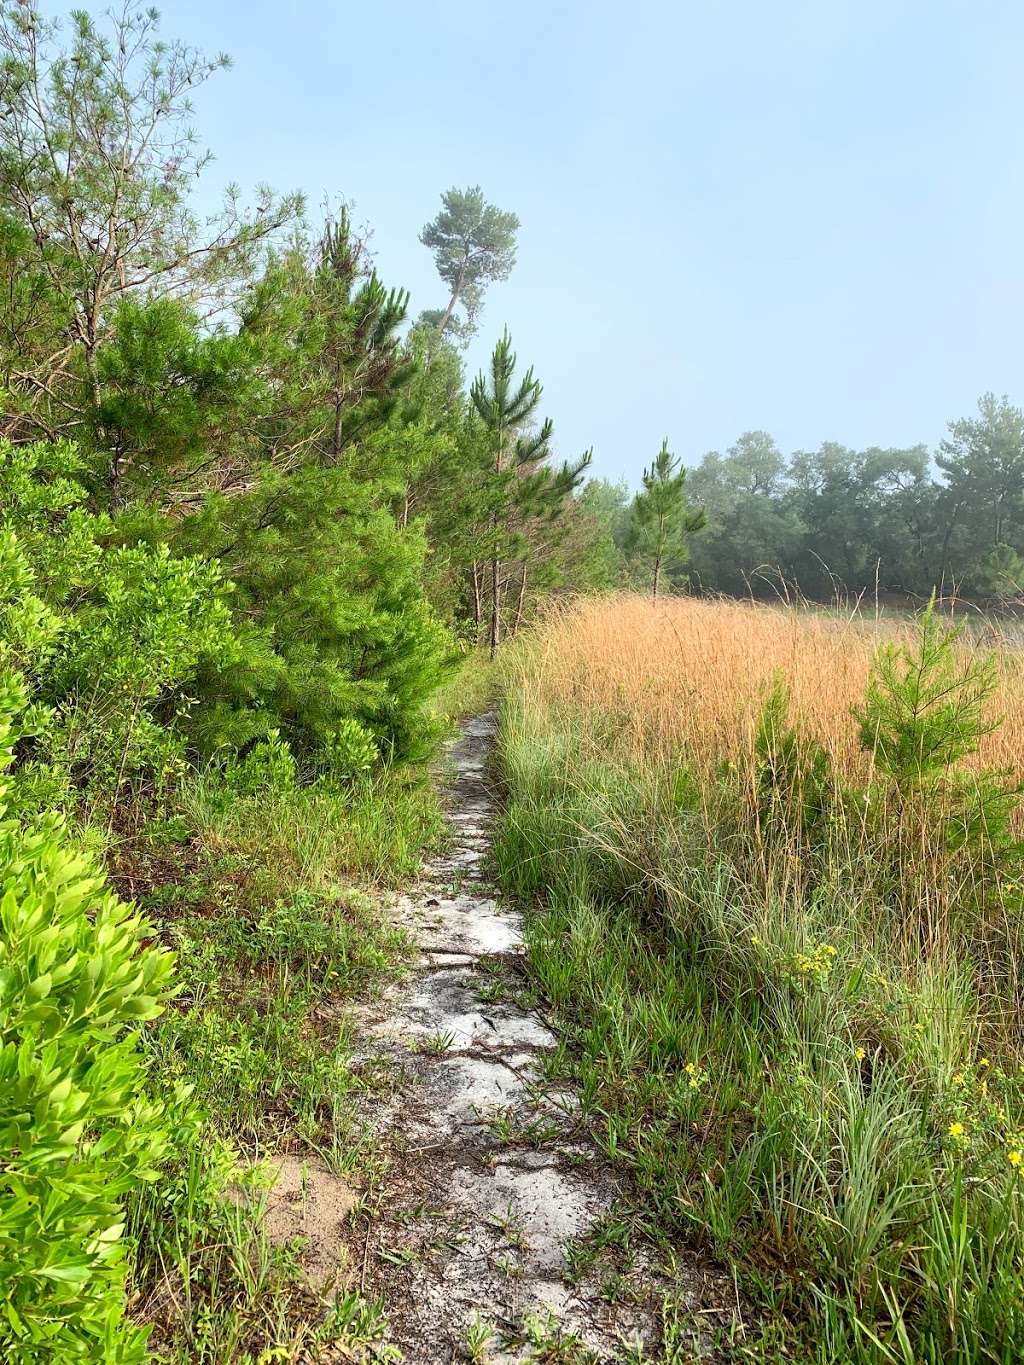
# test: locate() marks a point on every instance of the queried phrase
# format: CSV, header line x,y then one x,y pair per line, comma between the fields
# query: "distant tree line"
x,y
837,520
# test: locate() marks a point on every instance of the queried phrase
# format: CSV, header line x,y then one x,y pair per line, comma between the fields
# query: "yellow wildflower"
x,y
859,1054
959,1079
1015,1157
956,1130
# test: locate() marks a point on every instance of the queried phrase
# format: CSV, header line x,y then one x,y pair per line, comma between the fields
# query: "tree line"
x,y
836,520
251,494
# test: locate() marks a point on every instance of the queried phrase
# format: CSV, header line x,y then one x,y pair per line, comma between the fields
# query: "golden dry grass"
x,y
692,673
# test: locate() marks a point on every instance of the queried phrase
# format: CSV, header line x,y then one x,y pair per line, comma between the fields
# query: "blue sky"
x,y
805,217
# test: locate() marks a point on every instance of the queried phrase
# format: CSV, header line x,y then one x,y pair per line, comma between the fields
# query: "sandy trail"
x,y
495,1210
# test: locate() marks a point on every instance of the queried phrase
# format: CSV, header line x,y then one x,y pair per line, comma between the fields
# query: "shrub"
x,y
349,751
330,614
269,764
126,627
76,1126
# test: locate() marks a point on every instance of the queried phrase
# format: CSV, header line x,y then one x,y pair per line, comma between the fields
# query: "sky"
x,y
801,217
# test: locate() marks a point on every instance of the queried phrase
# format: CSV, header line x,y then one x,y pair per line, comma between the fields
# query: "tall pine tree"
x,y
513,482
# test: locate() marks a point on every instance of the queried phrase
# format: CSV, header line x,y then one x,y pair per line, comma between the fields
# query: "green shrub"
x,y
76,1126
349,751
269,764
330,614
126,628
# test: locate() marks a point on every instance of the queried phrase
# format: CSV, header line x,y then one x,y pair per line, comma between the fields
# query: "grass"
x,y
470,689
270,900
787,970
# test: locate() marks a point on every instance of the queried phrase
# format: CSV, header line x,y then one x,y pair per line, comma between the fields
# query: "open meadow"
x,y
775,871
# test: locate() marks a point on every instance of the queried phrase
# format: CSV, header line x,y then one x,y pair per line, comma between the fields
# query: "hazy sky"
x,y
806,217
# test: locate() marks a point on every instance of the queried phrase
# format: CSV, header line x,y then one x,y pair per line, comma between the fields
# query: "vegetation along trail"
x,y
498,1227
735,1070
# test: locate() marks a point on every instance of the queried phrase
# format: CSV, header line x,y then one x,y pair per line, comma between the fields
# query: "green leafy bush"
x,y
76,1126
268,765
127,627
349,751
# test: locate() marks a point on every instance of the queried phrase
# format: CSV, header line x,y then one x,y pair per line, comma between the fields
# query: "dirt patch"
x,y
308,1201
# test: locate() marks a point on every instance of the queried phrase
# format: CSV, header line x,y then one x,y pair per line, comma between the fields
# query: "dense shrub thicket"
x,y
79,1125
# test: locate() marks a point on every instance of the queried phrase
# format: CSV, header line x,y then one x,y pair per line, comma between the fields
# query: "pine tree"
x,y
328,328
474,243
99,161
661,519
355,321
516,483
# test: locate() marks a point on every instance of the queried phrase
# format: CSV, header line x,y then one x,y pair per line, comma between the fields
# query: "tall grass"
x,y
789,966
692,673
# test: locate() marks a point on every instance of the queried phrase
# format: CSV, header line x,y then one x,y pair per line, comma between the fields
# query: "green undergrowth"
x,y
468,690
795,1075
269,899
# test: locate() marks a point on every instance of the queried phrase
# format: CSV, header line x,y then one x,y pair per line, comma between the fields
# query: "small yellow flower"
x,y
959,1079
1015,1157
985,1063
689,1068
754,939
956,1130
859,1054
